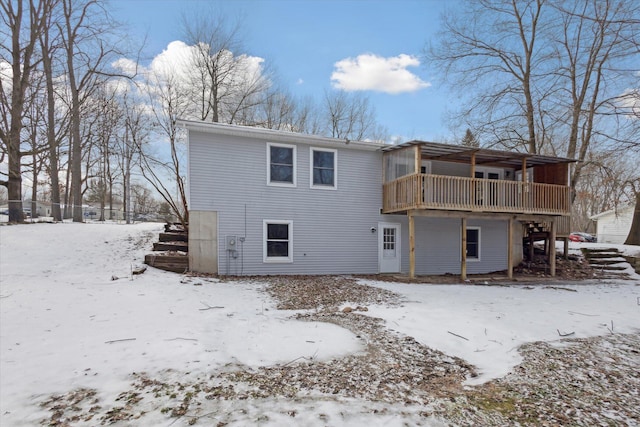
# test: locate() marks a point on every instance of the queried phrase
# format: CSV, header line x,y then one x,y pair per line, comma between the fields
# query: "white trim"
x,y
295,168
335,168
280,260
473,227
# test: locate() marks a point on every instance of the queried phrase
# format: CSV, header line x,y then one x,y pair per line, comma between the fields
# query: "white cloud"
x,y
175,59
125,65
299,82
373,72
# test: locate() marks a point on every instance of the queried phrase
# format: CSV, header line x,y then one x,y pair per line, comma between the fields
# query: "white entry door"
x,y
388,247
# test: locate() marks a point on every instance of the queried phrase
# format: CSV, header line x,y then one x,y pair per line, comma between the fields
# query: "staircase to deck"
x,y
533,232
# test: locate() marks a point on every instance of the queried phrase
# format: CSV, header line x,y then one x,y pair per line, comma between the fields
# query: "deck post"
x,y
412,245
463,249
473,165
510,248
565,247
552,248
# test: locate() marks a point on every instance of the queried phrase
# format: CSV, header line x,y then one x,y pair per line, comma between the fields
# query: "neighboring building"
x,y
42,208
613,226
272,202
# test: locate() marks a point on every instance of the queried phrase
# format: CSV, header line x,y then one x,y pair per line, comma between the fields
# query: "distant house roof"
x,y
483,156
621,210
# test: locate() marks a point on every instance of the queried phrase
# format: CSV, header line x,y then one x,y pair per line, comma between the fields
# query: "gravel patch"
x,y
581,382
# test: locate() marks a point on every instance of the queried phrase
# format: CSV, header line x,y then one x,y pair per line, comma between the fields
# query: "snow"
x,y
73,315
493,321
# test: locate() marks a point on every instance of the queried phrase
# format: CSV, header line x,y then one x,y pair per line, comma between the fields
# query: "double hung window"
x,y
281,168
323,168
278,239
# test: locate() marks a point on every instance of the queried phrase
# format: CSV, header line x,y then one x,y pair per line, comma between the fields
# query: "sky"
x,y
72,315
367,46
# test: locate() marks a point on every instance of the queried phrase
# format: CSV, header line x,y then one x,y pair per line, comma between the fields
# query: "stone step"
x,y
171,246
603,255
609,267
174,237
614,250
606,261
175,263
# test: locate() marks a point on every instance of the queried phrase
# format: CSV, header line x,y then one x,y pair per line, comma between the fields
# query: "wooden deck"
x,y
425,191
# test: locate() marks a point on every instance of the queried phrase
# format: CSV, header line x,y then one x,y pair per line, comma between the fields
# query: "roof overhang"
x,y
483,156
618,211
274,135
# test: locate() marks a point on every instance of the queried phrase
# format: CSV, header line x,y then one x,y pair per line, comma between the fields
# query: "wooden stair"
x,y
534,231
172,250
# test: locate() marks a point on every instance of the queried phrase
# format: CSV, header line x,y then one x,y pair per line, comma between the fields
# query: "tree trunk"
x,y
51,134
634,234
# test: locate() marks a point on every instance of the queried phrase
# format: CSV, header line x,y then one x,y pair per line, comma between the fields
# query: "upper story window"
x,y
281,167
324,162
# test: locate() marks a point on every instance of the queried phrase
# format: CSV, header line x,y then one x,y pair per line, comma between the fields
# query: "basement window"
x,y
278,238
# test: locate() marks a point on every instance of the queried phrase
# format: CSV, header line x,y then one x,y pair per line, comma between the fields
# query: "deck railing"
x,y
425,191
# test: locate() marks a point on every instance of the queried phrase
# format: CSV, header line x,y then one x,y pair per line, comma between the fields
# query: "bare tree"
x,y
549,75
19,50
491,48
85,32
350,116
634,233
597,41
49,44
225,83
167,105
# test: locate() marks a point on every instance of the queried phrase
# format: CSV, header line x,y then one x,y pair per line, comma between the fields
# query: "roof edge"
x,y
613,211
272,135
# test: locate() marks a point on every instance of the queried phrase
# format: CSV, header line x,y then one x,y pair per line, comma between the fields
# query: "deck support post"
x,y
565,247
552,248
412,245
510,248
463,249
473,165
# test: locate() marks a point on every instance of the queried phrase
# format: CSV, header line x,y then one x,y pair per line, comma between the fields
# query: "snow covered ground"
x,y
72,315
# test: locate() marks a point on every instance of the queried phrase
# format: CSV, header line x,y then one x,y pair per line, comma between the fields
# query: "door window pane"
x,y
389,239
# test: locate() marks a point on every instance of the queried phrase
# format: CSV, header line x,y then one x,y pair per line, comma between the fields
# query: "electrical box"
x,y
232,242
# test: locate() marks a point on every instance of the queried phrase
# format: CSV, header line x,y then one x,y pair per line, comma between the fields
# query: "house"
x,y
613,225
41,208
273,202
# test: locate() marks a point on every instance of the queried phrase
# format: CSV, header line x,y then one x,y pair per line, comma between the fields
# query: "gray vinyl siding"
x,y
438,246
331,228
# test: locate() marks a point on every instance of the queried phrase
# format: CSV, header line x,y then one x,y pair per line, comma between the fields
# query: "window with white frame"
x,y
281,165
278,241
473,243
323,170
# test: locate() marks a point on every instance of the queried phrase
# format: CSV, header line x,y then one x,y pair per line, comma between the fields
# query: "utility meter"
x,y
232,242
